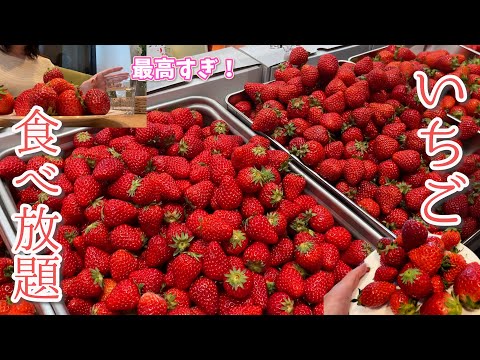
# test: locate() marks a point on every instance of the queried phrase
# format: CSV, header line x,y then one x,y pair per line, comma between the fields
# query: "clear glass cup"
x,y
122,95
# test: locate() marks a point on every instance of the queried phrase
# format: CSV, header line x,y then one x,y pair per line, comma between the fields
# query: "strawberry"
x,y
124,296
339,236
97,234
127,237
441,304
321,219
330,256
375,294
388,197
384,147
88,283
11,166
330,169
393,255
150,219
183,117
401,304
407,160
45,97
332,122
86,189
215,262
414,234
147,280
238,283
438,284
77,306
259,291
341,270
370,206
452,265
69,103
415,198
467,286
108,169
309,74
6,270
52,74
468,128
308,254
290,281
363,66
228,196
335,103
72,212
185,269
198,196
318,285
334,86
298,107
76,167
396,219
353,171
327,67
456,205
414,282
204,294
298,56
6,101
122,263
117,212
96,102
237,243
386,273
245,107
280,304
151,304
215,228
357,94
176,298
259,229
257,257
265,121
427,257
356,252
96,259
282,252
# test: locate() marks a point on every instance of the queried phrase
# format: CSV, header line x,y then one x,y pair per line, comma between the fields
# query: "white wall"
x,y
113,55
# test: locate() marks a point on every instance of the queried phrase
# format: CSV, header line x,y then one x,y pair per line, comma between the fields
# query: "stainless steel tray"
x,y
8,236
455,49
469,147
212,110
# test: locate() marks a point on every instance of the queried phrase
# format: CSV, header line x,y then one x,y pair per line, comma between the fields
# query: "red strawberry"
x,y
124,296
298,56
151,304
150,219
327,67
456,205
386,273
127,237
396,219
388,197
96,234
415,198
122,263
384,147
183,117
11,166
238,283
357,94
282,252
117,212
452,265
441,304
308,254
185,268
290,281
330,256
257,257
52,74
339,236
414,234
204,294
356,252
401,304
467,286
215,228
228,196
427,257
215,262
370,206
407,160
97,259
309,75
88,283
393,255
265,121
318,285
280,304
353,171
259,229
414,282
321,220
375,294
6,270
335,103
97,102
108,169
77,306
68,102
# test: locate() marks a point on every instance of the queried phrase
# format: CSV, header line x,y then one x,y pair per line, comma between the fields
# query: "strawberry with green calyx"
x,y
401,304
414,282
441,304
238,283
280,303
6,101
467,287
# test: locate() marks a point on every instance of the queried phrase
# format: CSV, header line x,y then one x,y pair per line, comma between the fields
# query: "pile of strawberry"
x,y
183,218
425,268
6,290
356,126
57,97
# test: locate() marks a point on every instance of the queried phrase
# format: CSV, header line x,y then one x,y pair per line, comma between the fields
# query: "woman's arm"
x,y
99,80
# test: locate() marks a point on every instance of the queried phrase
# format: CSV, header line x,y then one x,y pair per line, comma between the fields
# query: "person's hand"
x,y
337,301
99,80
